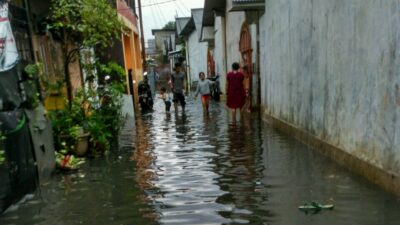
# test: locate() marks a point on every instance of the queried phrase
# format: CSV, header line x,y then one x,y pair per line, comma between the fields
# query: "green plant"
x,y
87,24
98,112
170,25
116,73
106,120
111,94
33,72
69,123
37,71
100,135
2,151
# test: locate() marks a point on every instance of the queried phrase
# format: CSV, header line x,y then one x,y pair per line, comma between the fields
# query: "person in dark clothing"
x,y
178,87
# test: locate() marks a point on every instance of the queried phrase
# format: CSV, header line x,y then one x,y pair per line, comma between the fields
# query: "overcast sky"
x,y
156,13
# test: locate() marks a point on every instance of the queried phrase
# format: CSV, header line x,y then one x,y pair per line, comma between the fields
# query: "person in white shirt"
x,y
164,95
203,88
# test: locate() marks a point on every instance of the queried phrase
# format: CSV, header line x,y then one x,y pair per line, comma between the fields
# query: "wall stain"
x,y
397,94
386,101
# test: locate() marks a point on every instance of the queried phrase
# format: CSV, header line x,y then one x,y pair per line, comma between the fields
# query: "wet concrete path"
x,y
192,169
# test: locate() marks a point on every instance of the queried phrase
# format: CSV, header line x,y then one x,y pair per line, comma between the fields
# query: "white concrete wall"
x,y
219,50
127,107
234,22
254,81
197,56
263,60
332,69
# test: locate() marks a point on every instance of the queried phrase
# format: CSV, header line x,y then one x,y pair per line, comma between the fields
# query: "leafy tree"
x,y
83,24
169,26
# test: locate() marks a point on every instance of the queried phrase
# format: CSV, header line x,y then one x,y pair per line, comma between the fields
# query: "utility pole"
x,y
142,36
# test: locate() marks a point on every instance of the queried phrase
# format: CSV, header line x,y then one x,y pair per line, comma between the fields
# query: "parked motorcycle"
x,y
214,88
145,96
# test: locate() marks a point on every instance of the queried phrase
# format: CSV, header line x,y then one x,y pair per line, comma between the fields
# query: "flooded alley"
x,y
193,169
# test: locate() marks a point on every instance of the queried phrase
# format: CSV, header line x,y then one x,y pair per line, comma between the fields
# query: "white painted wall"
x,y
234,22
263,61
197,53
127,106
219,50
254,85
332,69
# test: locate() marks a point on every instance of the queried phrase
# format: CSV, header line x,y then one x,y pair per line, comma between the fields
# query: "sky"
x,y
157,13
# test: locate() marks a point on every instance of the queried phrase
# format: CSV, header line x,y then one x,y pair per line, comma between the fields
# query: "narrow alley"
x,y
193,169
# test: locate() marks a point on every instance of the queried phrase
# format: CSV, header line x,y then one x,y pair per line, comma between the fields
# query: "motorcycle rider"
x,y
145,95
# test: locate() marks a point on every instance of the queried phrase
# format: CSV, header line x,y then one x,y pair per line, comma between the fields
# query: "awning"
x,y
247,5
177,52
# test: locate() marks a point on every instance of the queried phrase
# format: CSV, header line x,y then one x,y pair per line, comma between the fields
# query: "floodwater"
x,y
193,169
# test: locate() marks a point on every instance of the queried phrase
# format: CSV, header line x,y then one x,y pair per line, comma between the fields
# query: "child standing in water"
x,y
203,88
167,99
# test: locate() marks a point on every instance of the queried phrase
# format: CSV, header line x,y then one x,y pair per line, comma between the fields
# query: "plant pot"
x,y
82,145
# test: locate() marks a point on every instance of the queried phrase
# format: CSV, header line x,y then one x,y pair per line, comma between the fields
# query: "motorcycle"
x,y
145,96
215,91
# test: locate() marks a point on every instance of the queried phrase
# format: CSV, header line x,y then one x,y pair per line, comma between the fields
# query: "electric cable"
x,y
179,8
156,16
161,13
185,7
159,3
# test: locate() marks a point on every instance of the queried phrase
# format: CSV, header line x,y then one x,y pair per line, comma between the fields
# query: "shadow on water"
x,y
190,168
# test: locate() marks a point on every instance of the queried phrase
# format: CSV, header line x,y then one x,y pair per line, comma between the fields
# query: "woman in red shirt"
x,y
236,94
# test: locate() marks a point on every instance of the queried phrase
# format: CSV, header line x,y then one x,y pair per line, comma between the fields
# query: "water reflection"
x,y
186,179
211,171
104,191
241,173
143,155
196,169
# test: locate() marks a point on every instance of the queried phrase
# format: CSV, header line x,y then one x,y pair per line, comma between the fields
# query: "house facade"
x,y
323,71
165,43
26,138
231,29
196,50
131,49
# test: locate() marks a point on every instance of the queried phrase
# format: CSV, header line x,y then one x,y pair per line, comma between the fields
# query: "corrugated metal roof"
x,y
247,1
189,27
197,15
181,23
247,5
210,6
194,23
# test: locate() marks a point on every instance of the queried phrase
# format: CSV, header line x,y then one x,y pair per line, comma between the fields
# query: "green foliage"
x,y
2,152
116,73
83,24
98,112
37,71
33,72
108,119
183,51
169,26
88,23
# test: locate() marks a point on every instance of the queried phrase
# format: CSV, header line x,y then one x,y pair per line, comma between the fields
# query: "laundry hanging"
x,y
8,48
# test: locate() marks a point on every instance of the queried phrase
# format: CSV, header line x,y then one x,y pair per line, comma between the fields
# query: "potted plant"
x,y
69,126
80,140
